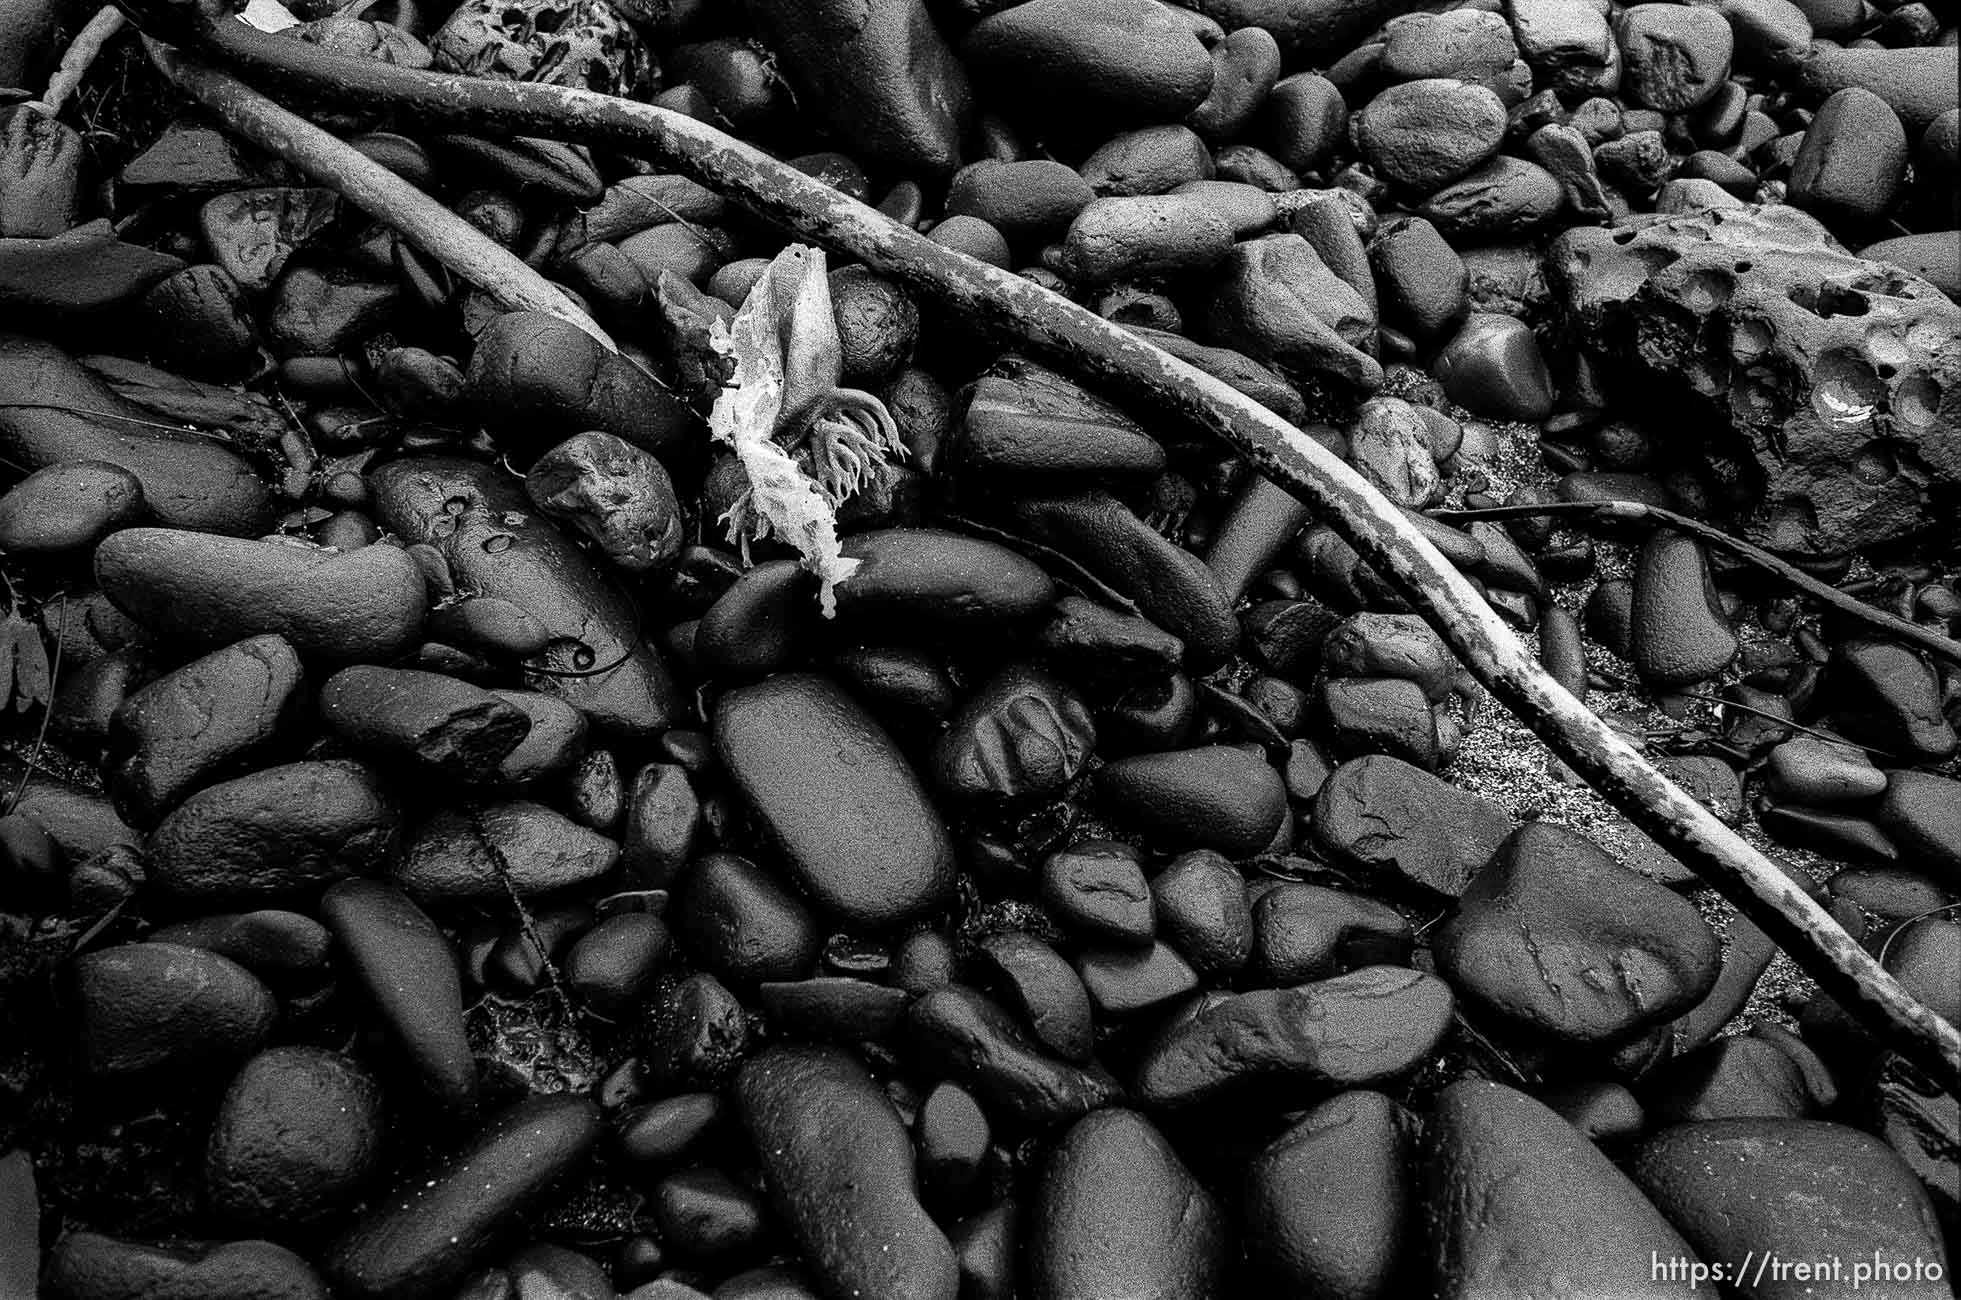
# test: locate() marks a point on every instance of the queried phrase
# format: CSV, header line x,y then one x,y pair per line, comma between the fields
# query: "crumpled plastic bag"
x,y
806,444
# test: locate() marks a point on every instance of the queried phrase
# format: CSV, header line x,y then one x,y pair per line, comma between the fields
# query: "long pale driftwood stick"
x,y
1107,354
331,162
1824,593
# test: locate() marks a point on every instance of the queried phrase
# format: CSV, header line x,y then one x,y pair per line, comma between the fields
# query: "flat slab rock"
x,y
1837,379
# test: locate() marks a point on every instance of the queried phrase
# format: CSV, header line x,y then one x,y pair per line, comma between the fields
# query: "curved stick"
x,y
1054,328
330,161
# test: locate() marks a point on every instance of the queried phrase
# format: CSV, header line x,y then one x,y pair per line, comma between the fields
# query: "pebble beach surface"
x,y
746,785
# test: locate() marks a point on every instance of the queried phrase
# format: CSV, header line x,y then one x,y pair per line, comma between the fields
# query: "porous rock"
x,y
1838,379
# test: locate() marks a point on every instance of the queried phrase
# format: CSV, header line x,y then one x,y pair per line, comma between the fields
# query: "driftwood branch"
x,y
79,58
331,162
1823,592
1109,355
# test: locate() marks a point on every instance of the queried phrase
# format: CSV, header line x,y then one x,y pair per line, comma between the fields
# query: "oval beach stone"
x,y
855,828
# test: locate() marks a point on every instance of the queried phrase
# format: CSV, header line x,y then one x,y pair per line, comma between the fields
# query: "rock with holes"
x,y
583,43
1826,388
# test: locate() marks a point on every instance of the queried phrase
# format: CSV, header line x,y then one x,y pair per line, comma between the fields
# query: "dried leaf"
x,y
24,678
695,328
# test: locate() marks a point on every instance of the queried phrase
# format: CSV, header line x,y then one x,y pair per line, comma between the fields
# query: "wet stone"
x,y
405,966
1555,937
614,493
486,850
1505,199
1118,1213
1675,56
853,1205
847,809
1523,1198
276,833
1494,367
65,507
1097,888
1329,1203
1305,932
1098,61
434,1233
1024,735
880,77
1789,1184
1357,716
1424,134
1034,979
89,1264
146,1009
1922,811
1127,981
1680,633
1419,277
1388,443
1353,1030
956,1033
1466,44
200,723
297,1136
1568,45
1379,813
1811,770
1845,186
1214,797
434,722
1886,695
1201,906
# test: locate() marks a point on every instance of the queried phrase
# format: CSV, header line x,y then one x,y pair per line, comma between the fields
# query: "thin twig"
x,y
419,219
1903,926
1107,354
633,644
102,923
47,709
1491,1049
80,56
527,923
1058,564
1768,716
1823,592
67,409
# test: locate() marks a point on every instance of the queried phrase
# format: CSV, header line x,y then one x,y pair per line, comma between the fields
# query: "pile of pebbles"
x,y
450,865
